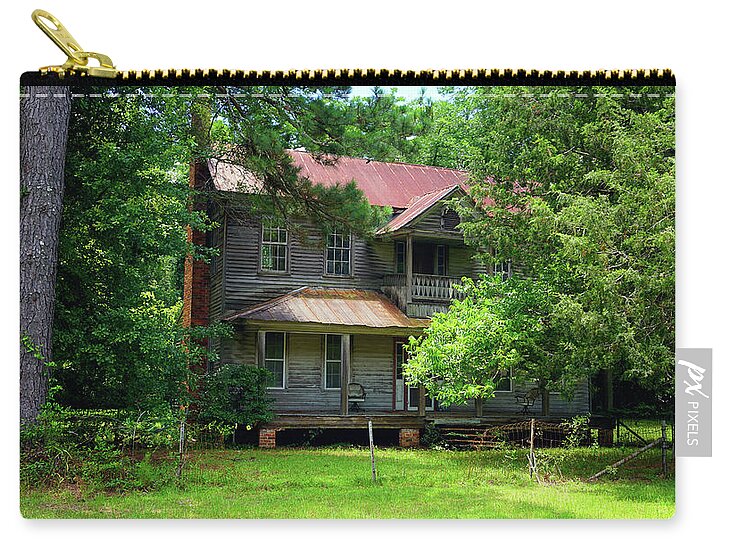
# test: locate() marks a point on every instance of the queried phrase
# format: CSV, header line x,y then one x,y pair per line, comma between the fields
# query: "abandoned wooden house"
x,y
329,317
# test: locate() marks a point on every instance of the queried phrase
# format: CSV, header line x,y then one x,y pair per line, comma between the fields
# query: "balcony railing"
x,y
424,287
427,287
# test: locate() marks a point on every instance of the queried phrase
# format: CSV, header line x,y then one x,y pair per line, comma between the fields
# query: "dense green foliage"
x,y
500,328
385,127
336,483
235,394
118,340
577,187
105,450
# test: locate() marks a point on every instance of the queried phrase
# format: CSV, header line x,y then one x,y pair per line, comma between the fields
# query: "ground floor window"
x,y
275,358
333,362
504,381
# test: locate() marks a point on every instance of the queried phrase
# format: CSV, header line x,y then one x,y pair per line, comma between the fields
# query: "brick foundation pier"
x,y
409,438
266,438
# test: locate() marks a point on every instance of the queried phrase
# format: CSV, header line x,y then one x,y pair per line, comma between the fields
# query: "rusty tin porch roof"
x,y
335,307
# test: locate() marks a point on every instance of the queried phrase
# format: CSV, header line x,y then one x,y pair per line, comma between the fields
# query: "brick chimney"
x,y
196,272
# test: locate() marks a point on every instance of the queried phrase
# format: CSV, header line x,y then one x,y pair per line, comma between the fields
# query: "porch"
x,y
421,295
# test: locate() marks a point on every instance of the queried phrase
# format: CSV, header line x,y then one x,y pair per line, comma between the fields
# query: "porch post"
x,y
421,401
346,374
478,407
409,268
261,348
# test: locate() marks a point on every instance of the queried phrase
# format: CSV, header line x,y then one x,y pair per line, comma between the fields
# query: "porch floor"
x,y
393,420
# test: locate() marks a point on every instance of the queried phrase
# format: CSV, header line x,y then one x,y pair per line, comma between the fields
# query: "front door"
x,y
406,398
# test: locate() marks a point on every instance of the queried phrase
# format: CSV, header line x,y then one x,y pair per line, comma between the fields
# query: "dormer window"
x,y
338,254
274,249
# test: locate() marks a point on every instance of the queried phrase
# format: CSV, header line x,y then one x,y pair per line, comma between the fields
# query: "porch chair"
x,y
355,395
527,400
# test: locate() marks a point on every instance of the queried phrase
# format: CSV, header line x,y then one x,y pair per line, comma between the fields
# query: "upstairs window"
x,y
399,257
338,254
333,362
274,249
441,262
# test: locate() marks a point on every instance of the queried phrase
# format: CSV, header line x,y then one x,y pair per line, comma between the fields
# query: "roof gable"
x,y
418,207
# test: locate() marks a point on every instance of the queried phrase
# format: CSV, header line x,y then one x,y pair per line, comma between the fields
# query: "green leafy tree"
x,y
500,328
385,126
123,241
576,186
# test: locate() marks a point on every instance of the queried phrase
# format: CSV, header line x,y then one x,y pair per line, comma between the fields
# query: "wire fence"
x,y
631,437
576,432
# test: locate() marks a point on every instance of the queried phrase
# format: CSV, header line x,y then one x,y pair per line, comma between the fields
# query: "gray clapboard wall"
x,y
372,366
244,284
215,239
247,285
434,220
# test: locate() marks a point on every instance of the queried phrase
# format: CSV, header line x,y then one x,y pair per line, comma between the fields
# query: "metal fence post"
x,y
664,447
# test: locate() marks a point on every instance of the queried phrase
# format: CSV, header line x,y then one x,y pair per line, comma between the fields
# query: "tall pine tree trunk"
x,y
44,122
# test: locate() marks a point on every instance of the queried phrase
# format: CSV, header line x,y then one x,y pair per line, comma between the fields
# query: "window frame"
x,y
263,243
512,383
400,244
498,269
350,249
442,263
284,359
327,361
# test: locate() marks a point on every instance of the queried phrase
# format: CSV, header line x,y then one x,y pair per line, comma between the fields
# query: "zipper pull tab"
x,y
77,58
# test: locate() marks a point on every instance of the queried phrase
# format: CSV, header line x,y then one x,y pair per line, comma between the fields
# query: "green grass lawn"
x,y
335,482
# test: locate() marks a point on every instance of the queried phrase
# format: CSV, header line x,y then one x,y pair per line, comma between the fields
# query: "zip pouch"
x,y
263,288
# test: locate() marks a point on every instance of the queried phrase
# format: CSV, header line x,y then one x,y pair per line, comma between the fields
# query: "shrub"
x,y
235,394
94,448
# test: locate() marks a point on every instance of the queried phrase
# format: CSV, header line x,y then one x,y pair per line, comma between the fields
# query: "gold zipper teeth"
x,y
420,76
65,76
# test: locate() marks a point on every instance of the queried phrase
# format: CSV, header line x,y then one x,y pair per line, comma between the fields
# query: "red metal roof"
x,y
383,183
415,208
334,307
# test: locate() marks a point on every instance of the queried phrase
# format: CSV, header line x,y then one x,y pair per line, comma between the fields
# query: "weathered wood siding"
x,y
431,221
372,362
216,270
505,403
246,285
372,367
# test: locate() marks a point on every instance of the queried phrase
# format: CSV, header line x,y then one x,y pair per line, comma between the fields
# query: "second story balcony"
x,y
429,273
